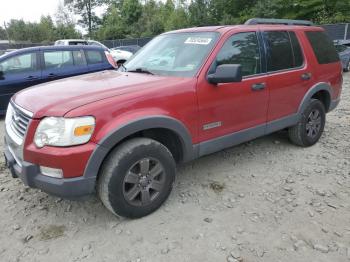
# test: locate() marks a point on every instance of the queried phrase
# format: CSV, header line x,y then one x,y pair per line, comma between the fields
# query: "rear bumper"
x,y
30,175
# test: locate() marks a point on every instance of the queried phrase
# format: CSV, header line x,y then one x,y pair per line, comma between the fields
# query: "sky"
x,y
28,10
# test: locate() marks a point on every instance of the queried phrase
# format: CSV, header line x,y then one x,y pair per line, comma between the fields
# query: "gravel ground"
x,y
265,200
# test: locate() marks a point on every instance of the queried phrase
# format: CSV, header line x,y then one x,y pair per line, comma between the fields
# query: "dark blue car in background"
x,y
31,66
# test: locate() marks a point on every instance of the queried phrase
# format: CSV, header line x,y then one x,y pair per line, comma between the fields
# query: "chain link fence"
x,y
338,32
124,42
109,43
335,31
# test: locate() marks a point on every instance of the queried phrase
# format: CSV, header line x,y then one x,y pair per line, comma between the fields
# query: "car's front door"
x,y
16,73
232,107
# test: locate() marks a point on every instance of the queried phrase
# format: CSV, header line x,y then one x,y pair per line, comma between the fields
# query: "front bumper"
x,y
63,187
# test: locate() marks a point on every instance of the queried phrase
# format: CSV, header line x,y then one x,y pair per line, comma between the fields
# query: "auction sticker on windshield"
x,y
198,40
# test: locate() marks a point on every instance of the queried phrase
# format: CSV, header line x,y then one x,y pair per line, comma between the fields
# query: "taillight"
x,y
110,59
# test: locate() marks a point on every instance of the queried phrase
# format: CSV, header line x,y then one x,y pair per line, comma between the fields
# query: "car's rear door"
x,y
18,72
289,75
63,63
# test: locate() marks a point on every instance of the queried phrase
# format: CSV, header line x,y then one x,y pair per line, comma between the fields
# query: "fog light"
x,y
51,172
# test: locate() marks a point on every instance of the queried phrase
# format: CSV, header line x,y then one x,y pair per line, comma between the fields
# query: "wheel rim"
x,y
313,125
144,182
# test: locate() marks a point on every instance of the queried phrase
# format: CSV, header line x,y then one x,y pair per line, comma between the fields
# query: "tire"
x,y
136,178
311,125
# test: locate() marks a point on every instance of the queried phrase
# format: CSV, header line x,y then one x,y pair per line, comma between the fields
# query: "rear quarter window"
x,y
94,57
323,47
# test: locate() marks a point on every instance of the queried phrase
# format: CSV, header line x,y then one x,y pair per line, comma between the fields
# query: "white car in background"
x,y
119,56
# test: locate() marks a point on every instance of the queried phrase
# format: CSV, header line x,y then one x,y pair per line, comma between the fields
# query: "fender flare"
x,y
312,91
114,137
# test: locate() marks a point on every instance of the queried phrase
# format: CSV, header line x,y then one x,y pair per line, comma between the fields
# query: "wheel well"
x,y
164,136
324,97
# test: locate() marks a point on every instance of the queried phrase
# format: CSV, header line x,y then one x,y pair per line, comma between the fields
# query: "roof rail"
x,y
256,21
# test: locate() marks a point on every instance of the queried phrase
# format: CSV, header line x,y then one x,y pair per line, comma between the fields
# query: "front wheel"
x,y
136,178
311,125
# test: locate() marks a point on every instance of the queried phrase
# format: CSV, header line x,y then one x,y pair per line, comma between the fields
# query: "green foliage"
x,y
136,18
86,10
43,32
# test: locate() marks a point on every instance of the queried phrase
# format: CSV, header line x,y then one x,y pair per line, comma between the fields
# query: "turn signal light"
x,y
83,130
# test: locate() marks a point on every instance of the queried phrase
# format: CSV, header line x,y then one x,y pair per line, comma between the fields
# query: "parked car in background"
x,y
80,42
31,66
2,52
119,56
344,54
130,48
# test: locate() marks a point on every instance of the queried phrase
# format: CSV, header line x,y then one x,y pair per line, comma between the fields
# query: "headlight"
x,y
60,131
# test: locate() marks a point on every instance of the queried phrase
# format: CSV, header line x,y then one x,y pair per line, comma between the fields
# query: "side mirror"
x,y
226,74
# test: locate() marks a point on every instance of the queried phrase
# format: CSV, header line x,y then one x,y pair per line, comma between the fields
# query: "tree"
x,y
3,34
63,15
85,8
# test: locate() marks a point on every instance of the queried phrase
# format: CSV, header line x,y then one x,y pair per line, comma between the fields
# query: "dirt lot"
x,y
265,200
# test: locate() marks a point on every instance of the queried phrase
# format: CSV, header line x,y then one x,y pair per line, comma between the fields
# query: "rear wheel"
x,y
347,67
310,127
136,178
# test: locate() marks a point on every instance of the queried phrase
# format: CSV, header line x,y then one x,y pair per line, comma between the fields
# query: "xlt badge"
x,y
212,125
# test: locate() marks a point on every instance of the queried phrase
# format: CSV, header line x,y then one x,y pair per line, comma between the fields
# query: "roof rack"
x,y
257,21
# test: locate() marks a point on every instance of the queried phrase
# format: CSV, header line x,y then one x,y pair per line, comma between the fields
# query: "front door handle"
x,y
259,86
306,76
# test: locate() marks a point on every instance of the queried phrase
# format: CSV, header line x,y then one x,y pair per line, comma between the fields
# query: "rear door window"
x,y
58,59
284,51
323,47
94,57
19,64
79,59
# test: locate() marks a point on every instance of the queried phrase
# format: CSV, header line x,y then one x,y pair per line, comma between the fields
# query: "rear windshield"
x,y
323,47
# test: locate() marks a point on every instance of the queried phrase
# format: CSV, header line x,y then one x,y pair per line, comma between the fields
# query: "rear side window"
x,y
284,50
79,58
298,54
323,47
94,57
58,59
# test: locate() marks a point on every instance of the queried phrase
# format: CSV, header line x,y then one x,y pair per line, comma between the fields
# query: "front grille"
x,y
19,121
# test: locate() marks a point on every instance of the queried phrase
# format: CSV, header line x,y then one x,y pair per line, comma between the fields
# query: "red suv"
x,y
186,94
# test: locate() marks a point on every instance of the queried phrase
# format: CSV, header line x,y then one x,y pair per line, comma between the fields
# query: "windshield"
x,y
174,54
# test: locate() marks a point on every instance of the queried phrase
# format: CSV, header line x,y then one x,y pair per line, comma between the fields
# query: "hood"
x,y
61,96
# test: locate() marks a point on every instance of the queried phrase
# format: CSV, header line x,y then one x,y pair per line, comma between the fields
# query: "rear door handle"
x,y
32,78
259,86
306,76
52,76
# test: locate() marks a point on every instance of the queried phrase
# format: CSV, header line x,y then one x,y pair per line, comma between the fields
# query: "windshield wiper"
x,y
141,70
